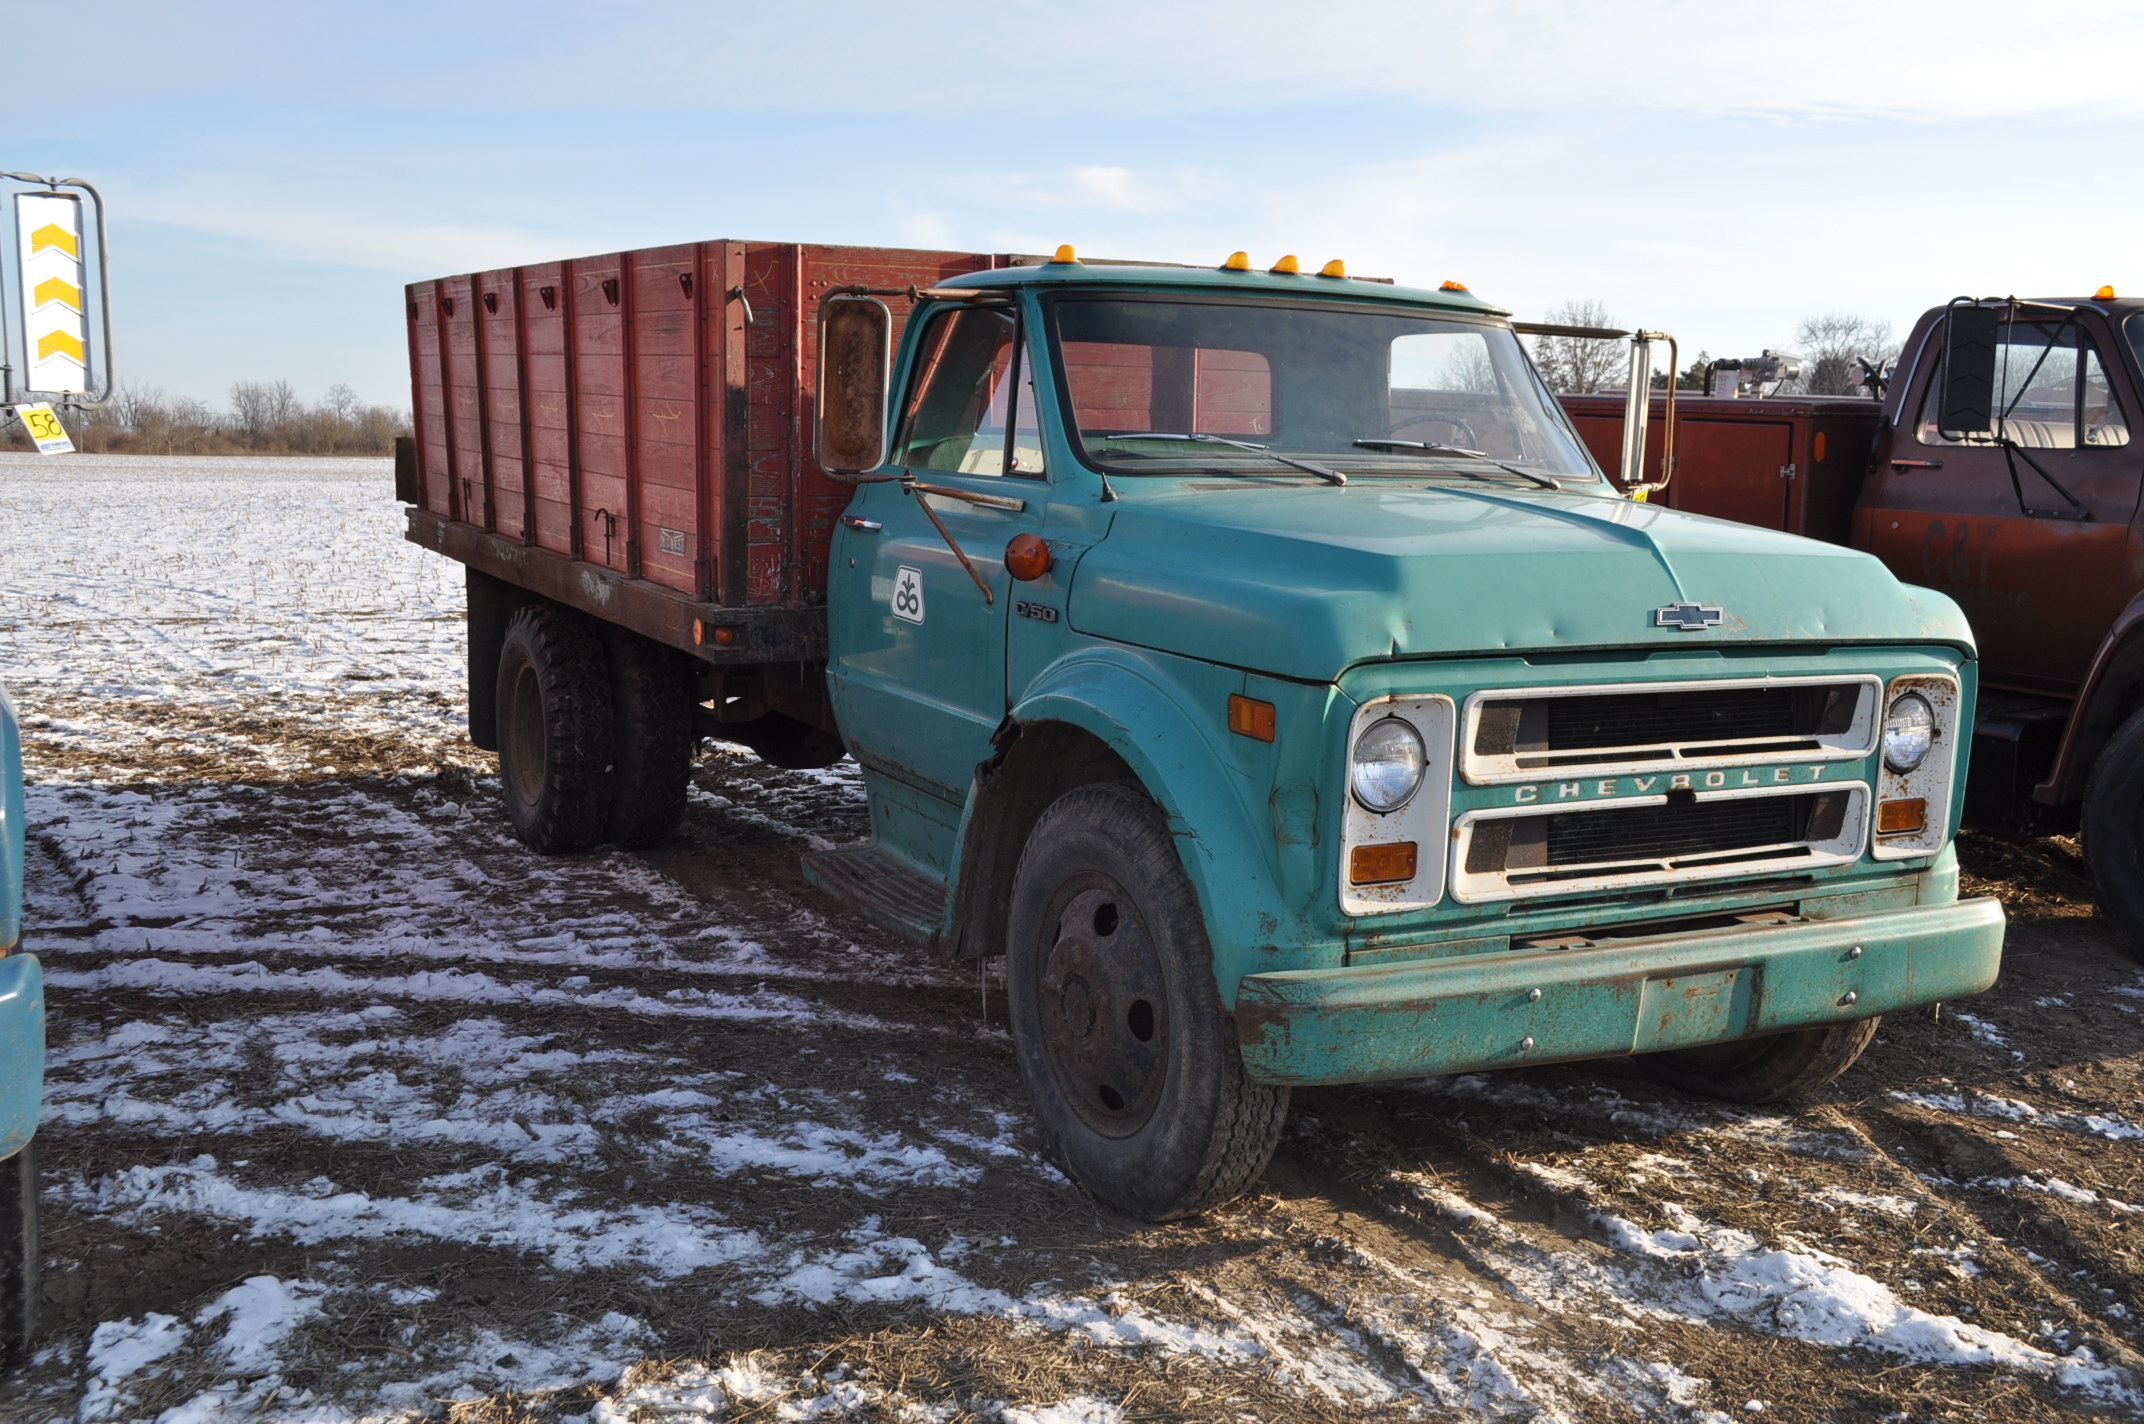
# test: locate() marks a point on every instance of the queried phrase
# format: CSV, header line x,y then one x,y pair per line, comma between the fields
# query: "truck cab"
x,y
1257,661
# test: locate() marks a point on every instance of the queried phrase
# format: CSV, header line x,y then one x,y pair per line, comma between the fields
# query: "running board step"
x,y
881,889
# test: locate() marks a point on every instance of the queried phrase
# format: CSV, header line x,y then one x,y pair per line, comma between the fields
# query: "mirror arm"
x,y
920,493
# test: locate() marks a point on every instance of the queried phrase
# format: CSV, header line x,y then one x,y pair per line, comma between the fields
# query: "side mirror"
x,y
855,366
1967,404
1638,408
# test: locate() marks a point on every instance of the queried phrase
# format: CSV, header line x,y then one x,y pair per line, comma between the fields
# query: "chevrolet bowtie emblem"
x,y
1690,617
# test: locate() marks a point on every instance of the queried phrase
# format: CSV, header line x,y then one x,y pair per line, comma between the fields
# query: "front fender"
x,y
1166,717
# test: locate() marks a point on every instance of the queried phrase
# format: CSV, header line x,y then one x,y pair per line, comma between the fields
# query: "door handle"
x,y
869,526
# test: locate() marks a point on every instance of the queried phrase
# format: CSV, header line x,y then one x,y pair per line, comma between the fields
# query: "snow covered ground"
x,y
359,1111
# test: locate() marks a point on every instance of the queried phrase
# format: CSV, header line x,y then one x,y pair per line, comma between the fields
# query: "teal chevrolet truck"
x,y
1256,660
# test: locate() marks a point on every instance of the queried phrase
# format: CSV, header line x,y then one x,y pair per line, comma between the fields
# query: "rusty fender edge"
x,y
1479,1011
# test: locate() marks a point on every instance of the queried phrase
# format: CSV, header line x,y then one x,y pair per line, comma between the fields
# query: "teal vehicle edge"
x,y
22,998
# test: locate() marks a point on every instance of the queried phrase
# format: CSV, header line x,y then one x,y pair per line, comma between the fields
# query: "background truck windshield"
x,y
1301,380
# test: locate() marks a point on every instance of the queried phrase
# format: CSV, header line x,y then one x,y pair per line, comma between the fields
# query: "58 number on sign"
x,y
45,429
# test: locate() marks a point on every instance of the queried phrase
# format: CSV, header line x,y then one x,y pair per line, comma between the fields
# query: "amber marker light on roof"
x,y
1901,818
1453,287
1248,717
1288,266
1334,268
1065,253
1382,864
1237,262
2104,294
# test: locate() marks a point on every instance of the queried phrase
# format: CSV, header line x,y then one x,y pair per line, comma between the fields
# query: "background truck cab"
x,y
1254,659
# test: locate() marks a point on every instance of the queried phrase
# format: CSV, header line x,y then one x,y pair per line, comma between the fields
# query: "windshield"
x,y
1364,391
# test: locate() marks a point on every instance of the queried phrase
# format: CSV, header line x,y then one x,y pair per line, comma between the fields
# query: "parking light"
x,y
1901,817
1334,268
1288,266
1237,262
1449,286
1386,864
2104,294
1064,254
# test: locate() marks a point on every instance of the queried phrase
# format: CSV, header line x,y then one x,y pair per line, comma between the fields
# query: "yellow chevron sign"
x,y
64,343
55,326
53,235
57,289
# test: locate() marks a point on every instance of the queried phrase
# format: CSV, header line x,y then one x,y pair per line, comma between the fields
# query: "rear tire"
x,y
21,1264
557,744
1766,1069
2114,833
1129,1057
651,713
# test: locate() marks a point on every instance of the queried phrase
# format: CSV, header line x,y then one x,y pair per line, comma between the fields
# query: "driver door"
x,y
918,668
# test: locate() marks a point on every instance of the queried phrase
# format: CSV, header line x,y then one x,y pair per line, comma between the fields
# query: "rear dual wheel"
x,y
1129,1056
595,733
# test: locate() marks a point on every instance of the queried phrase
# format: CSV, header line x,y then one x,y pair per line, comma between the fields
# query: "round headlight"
x,y
1909,730
1387,765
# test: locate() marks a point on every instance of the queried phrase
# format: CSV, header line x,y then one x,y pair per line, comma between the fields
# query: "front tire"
x,y
1765,1069
2114,832
557,742
1129,1057
21,1265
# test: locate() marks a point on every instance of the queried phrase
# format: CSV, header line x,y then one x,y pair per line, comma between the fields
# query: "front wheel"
x,y
1765,1069
1128,1055
2114,832
21,1266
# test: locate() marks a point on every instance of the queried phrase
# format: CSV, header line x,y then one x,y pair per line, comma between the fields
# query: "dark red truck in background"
x,y
2003,467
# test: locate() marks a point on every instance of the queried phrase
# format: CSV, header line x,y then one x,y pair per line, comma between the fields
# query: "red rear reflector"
x,y
1899,818
1248,717
1381,864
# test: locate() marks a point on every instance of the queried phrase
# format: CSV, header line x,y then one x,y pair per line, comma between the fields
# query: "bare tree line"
x,y
1829,346
263,418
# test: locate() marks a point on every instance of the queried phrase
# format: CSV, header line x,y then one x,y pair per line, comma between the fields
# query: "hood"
x,y
1303,581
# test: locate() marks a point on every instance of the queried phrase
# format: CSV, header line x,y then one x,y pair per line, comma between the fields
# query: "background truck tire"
x,y
1128,1055
1764,1070
21,1265
2114,832
651,716
557,746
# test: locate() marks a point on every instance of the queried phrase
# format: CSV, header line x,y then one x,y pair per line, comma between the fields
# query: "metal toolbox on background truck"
x,y
2015,490
1255,659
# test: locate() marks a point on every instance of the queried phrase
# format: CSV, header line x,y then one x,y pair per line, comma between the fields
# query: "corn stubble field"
x,y
357,1110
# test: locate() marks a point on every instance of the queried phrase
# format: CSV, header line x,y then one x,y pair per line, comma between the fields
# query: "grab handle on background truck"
x,y
1639,406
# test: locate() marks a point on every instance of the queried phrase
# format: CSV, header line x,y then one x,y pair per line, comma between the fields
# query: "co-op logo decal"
x,y
1690,617
908,594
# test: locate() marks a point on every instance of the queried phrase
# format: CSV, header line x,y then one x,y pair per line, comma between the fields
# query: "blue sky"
x,y
1718,170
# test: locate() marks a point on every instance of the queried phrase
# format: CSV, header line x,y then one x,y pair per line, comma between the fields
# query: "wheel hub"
x,y
1104,1007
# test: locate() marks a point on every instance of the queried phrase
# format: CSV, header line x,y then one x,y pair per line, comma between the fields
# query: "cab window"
x,y
2052,392
971,409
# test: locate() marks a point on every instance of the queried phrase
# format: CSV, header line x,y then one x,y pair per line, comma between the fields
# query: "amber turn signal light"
x,y
1902,817
702,635
1027,558
1248,717
1381,864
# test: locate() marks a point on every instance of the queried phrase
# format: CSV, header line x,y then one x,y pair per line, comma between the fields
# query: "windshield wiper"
x,y
1329,476
1431,447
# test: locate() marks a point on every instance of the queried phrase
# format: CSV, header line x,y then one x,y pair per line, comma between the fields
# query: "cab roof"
x,y
1053,275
